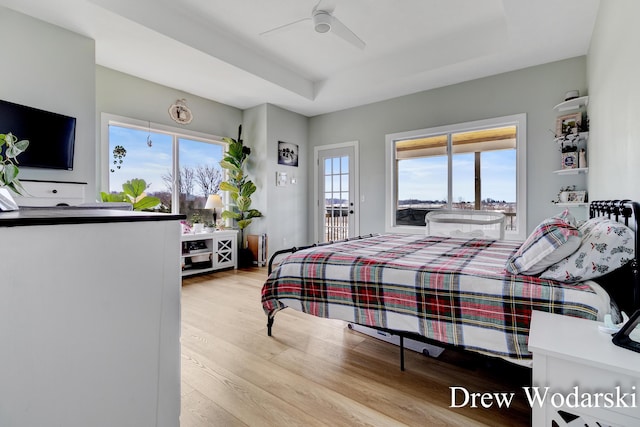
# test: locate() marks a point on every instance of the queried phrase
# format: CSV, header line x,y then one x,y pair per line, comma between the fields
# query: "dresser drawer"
x,y
51,193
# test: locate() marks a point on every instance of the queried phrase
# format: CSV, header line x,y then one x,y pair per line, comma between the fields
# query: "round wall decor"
x,y
180,113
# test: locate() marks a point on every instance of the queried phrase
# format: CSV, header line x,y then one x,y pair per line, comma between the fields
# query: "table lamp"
x,y
214,201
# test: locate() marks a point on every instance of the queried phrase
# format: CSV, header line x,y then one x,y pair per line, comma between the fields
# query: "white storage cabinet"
x,y
206,252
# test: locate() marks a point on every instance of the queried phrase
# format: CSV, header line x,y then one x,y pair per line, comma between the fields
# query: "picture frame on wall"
x,y
287,154
569,123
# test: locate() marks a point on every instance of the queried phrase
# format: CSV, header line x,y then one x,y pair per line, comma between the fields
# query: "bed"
x,y
464,292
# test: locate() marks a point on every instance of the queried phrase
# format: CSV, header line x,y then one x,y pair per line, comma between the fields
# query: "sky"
x,y
426,178
152,162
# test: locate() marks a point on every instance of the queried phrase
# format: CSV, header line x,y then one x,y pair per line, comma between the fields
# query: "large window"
x,y
179,168
478,165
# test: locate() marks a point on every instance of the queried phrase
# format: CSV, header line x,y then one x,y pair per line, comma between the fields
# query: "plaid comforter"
x,y
451,290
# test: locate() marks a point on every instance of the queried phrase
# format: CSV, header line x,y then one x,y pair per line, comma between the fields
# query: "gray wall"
x,y
533,91
53,69
614,103
286,217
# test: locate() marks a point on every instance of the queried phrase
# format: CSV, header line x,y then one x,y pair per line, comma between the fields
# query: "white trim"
x,y
520,120
356,184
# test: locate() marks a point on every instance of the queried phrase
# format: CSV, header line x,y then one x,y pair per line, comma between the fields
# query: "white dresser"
x,y
577,361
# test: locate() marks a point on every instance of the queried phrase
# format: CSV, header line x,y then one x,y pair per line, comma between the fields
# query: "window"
x,y
478,165
179,168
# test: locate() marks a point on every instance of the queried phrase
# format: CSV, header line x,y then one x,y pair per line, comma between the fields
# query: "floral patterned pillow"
x,y
552,240
606,246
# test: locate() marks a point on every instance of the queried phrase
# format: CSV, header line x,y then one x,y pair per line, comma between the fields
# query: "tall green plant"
x,y
8,162
240,188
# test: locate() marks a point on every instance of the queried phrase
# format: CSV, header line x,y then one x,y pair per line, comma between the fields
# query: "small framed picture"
x,y
570,160
576,196
287,154
568,124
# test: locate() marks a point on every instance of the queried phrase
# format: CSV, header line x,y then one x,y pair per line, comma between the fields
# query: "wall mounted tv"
x,y
51,136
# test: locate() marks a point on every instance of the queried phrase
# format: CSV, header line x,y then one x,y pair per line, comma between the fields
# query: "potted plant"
x,y
197,222
209,227
240,188
9,170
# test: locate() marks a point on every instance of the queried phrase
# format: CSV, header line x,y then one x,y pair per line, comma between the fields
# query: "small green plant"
x,y
196,218
134,193
8,162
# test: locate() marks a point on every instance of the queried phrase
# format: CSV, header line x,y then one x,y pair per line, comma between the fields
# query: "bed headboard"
x,y
622,284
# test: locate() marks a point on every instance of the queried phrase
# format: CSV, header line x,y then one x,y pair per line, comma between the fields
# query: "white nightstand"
x,y
569,352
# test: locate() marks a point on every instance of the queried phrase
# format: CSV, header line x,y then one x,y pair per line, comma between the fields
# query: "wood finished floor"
x,y
316,372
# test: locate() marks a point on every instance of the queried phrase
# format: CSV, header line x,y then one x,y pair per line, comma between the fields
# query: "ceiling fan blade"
x,y
342,31
282,27
326,5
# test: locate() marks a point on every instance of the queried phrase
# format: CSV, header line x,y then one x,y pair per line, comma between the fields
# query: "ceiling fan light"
x,y
322,21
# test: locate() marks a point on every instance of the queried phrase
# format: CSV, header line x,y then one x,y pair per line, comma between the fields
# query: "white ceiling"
x,y
213,48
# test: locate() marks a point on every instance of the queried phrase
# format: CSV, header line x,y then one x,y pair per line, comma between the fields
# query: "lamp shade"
x,y
214,201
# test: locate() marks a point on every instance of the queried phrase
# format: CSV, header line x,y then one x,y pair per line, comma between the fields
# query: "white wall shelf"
x,y
574,171
572,104
571,205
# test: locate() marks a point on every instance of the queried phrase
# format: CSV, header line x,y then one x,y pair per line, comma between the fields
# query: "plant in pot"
x,y
240,189
198,224
10,148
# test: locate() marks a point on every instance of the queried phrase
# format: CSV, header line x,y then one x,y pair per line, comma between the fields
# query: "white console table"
x,y
569,352
217,250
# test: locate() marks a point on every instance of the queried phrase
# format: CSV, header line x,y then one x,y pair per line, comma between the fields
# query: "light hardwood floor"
x,y
314,371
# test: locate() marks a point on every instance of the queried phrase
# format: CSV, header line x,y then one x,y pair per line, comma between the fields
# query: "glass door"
x,y
337,207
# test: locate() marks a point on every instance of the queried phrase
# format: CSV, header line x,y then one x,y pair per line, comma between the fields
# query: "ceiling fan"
x,y
325,22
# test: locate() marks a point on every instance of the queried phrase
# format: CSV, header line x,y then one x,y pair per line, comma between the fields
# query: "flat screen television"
x,y
51,136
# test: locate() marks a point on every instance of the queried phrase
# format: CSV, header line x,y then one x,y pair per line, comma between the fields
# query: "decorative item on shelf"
x,y
572,94
196,220
562,196
576,196
570,160
180,113
568,124
209,227
582,159
186,227
9,169
214,201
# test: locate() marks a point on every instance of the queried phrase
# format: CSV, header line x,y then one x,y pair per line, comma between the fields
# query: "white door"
x,y
336,192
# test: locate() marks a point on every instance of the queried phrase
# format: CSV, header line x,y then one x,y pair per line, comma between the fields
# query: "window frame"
x,y
391,173
107,119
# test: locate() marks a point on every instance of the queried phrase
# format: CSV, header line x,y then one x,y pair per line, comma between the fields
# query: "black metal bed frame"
x,y
627,298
